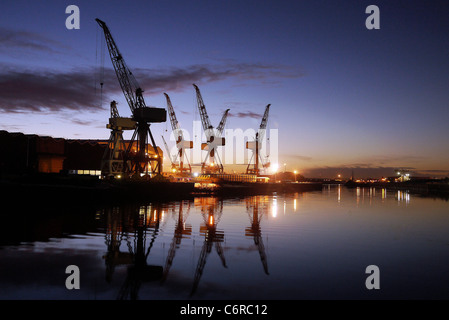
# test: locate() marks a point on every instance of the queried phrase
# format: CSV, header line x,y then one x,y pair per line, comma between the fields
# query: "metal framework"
x,y
137,153
214,137
255,146
113,161
181,144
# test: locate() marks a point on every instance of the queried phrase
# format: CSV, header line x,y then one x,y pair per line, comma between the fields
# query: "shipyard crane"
x,y
256,145
113,162
213,137
181,144
141,113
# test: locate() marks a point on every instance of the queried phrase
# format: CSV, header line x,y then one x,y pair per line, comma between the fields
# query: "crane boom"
x,y
173,120
207,127
172,159
222,122
128,83
263,123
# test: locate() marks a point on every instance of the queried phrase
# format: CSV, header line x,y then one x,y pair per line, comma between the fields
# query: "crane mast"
x,y
138,155
112,163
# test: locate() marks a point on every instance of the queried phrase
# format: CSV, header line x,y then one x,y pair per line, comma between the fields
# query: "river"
x,y
311,245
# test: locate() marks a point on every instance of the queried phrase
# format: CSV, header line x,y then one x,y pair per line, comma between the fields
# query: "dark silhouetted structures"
x,y
30,153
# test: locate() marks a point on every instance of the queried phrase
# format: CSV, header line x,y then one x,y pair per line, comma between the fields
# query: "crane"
x,y
255,146
213,136
181,144
141,113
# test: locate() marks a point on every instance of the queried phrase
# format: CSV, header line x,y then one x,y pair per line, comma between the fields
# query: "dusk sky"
x,y
342,97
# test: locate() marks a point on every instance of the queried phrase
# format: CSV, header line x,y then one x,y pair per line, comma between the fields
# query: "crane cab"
x,y
150,114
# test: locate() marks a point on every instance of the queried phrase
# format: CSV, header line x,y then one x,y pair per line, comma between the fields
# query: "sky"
x,y
344,98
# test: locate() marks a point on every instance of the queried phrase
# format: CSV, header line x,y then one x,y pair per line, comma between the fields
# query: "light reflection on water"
x,y
313,245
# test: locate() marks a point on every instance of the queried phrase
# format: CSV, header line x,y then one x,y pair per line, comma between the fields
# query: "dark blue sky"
x,y
342,96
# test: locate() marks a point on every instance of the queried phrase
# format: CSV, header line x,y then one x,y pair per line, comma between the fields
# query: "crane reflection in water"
x,y
138,222
182,230
131,231
211,211
257,207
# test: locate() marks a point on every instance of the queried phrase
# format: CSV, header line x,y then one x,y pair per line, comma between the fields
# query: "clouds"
x,y
42,91
14,41
246,114
23,90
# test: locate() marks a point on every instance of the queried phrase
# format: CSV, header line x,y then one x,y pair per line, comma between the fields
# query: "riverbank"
x,y
425,188
71,190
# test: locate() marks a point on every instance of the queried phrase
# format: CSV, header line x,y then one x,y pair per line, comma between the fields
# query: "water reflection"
x,y
257,207
148,251
370,193
138,221
182,230
403,196
211,210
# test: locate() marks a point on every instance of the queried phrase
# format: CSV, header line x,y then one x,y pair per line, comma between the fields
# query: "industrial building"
x,y
30,153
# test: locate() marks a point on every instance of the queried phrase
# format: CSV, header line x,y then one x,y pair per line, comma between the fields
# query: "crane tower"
x,y
113,162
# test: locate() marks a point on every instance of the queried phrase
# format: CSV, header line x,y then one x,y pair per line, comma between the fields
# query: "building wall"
x,y
83,154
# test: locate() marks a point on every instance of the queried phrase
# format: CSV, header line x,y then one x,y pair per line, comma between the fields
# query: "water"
x,y
313,245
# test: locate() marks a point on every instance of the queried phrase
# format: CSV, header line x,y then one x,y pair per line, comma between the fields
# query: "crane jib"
x,y
129,85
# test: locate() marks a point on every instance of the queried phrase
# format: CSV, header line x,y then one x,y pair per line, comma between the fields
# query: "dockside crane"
x,y
256,145
181,144
140,160
213,136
